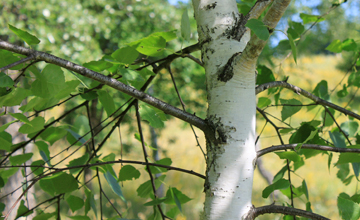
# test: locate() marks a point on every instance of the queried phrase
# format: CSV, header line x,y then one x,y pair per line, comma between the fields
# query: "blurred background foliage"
x,y
84,31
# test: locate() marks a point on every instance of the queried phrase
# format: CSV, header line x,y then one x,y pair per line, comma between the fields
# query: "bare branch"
x,y
306,146
286,211
307,94
258,8
168,109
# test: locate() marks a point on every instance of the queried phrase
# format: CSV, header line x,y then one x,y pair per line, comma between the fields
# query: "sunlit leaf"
x,y
310,18
185,26
280,184
348,209
263,102
24,35
125,55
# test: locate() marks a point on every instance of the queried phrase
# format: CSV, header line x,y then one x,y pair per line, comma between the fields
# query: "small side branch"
x,y
17,63
307,94
306,146
286,211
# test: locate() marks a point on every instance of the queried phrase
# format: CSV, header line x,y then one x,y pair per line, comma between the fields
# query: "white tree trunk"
x,y
232,107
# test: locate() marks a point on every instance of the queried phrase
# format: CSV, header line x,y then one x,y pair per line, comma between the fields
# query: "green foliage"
x,y
50,184
128,39
258,27
24,35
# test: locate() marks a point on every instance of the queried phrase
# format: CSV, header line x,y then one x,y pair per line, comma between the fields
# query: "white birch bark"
x,y
232,108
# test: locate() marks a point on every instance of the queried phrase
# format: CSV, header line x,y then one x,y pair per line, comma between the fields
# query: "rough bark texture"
x,y
231,97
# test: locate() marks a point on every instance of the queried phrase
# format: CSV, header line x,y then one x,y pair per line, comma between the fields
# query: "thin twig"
x,y
30,57
273,148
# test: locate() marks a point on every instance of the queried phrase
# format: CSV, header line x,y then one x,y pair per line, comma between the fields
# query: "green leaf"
x,y
280,174
44,216
24,35
335,46
37,170
90,202
125,55
154,202
23,210
354,79
8,57
337,139
20,159
263,102
328,119
348,209
289,155
176,197
288,111
77,162
167,35
350,127
2,184
321,90
258,28
15,97
150,115
280,184
265,75
51,184
106,101
44,151
343,171
20,117
75,203
35,125
349,45
342,93
53,134
185,26
310,18
146,188
164,161
79,217
114,185
98,65
348,158
49,82
330,160
5,140
293,46
305,189
128,172
150,46
5,80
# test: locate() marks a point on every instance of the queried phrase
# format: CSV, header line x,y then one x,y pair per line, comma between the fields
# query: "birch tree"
x,y
230,42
